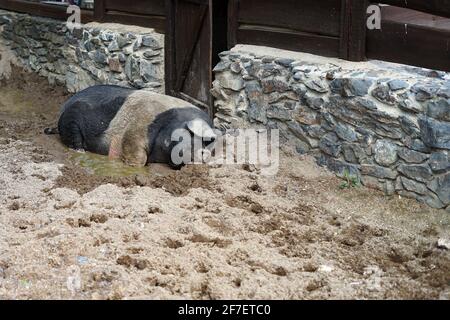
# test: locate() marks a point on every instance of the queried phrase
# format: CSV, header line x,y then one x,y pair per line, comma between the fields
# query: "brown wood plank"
x,y
319,17
436,7
189,51
141,7
233,23
415,17
285,39
353,30
156,22
169,50
44,10
414,45
99,10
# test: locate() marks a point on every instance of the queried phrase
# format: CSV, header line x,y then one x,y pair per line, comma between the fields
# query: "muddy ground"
x,y
70,231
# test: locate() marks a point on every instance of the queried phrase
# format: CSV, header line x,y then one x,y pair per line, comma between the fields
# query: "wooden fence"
x,y
418,36
413,32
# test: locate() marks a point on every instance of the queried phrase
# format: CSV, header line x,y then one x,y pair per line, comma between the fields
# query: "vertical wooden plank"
x,y
353,29
169,39
233,22
99,10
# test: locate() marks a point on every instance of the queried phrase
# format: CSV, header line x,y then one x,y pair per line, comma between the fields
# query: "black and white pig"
x,y
134,126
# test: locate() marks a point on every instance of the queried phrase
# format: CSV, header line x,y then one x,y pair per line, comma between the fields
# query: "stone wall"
x,y
386,124
94,54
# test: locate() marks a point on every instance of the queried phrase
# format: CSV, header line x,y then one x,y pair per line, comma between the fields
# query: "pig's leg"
x,y
71,135
72,126
134,148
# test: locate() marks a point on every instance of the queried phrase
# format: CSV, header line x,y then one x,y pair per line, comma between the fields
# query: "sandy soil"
x,y
202,233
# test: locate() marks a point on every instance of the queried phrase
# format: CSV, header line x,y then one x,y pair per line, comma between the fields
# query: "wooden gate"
x,y
189,51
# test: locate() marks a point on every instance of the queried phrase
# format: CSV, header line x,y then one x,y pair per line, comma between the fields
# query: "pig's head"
x,y
185,136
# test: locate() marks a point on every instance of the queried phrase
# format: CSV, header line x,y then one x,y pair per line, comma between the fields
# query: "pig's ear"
x,y
201,128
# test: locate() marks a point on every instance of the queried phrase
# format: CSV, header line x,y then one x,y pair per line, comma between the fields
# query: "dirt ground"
x,y
70,231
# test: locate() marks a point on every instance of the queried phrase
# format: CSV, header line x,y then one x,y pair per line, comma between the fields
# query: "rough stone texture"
x,y
95,54
388,126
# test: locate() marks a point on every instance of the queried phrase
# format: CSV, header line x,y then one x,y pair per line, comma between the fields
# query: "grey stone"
x,y
385,153
397,84
383,94
122,57
415,144
268,59
113,46
372,182
136,45
314,102
306,116
151,42
440,161
340,167
317,85
441,186
278,112
419,172
300,90
284,62
346,133
236,67
412,156
414,186
330,144
424,92
298,76
132,69
274,84
379,172
444,92
123,41
148,54
435,134
231,81
222,66
114,65
316,131
439,110
297,130
148,71
267,70
350,87
433,201
106,36
353,153
409,127
99,57
257,105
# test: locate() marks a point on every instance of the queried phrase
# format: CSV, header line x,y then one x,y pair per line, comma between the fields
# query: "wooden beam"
x,y
233,23
432,52
99,10
436,7
43,10
353,30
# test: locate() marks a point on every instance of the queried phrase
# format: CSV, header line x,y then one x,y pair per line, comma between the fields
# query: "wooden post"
x,y
353,30
233,23
99,10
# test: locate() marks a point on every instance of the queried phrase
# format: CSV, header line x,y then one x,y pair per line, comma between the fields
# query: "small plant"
x,y
350,181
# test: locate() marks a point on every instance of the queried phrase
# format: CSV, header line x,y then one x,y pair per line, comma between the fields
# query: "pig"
x,y
135,126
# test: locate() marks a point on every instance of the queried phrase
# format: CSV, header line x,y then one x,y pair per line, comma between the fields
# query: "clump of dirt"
x,y
177,183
